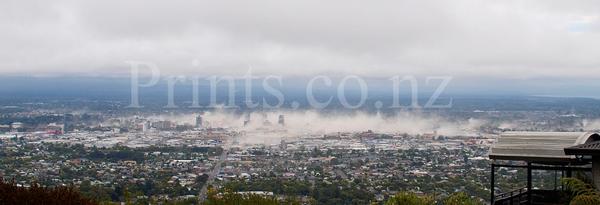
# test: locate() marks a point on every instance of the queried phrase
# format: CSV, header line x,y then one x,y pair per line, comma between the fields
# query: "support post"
x,y
555,183
492,184
529,183
562,175
596,170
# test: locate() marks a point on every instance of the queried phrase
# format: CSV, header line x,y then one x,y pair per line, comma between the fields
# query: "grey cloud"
x,y
512,39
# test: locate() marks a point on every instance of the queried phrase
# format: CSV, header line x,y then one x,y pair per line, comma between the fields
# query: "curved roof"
x,y
539,146
592,148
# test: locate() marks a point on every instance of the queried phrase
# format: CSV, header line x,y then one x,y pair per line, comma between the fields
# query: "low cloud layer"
x,y
509,39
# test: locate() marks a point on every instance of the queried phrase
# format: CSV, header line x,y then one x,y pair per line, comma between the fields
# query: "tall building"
x,y
199,121
247,119
281,120
266,121
143,126
163,125
65,124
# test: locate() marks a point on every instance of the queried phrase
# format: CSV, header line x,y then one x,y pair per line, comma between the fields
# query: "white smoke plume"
x,y
263,125
591,124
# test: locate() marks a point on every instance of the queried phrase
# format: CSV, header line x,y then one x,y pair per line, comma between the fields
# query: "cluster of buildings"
x,y
383,163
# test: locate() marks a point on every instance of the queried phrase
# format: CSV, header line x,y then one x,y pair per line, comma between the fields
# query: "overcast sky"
x,y
508,39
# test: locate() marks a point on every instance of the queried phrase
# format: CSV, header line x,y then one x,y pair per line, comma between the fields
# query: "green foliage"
x,y
340,193
583,193
323,193
409,198
460,198
585,200
231,198
277,186
578,187
10,193
94,192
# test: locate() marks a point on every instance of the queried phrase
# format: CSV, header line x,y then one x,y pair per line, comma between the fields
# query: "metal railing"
x,y
517,196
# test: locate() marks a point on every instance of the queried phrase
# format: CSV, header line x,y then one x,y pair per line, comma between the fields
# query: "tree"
x,y
409,198
10,193
583,193
229,197
460,198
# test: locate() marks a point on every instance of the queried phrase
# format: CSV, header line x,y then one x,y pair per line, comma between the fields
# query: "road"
x,y
213,174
